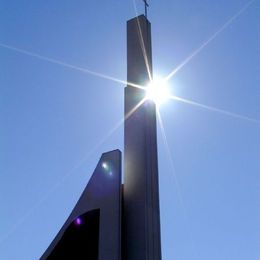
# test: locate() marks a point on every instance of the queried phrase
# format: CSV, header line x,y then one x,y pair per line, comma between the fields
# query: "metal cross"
x,y
145,7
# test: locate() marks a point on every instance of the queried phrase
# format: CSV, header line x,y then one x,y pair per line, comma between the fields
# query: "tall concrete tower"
x,y
93,229
141,192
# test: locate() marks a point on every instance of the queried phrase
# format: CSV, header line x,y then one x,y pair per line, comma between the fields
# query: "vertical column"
x,y
141,193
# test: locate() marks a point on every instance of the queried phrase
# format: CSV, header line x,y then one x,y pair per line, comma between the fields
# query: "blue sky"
x,y
57,120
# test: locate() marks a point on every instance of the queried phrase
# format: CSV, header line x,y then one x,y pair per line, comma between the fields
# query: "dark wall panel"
x,y
80,240
100,204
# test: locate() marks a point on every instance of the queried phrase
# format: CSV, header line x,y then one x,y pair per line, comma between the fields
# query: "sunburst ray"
x,y
141,39
177,184
67,65
66,176
214,109
210,39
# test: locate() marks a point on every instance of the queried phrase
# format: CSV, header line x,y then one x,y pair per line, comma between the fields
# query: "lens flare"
x,y
105,165
158,92
78,221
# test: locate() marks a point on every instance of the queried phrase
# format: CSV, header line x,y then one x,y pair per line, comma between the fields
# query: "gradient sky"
x,y
56,120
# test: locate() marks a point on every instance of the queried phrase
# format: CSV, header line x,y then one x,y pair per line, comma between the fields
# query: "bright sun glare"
x,y
158,92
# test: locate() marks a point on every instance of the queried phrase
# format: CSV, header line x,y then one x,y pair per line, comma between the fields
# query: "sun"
x,y
157,91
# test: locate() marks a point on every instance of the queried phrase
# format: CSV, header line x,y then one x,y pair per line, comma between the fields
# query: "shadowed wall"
x,y
100,206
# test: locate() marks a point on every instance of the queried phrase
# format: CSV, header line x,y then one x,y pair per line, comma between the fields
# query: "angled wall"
x,y
93,229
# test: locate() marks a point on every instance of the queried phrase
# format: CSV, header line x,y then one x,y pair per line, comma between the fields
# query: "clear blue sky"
x,y
53,117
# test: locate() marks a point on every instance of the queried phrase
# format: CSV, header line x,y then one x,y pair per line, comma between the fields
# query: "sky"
x,y
58,115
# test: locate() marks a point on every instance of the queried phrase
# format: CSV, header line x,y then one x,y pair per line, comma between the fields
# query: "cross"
x,y
145,7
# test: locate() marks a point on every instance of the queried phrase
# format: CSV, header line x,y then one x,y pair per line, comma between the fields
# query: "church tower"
x,y
141,216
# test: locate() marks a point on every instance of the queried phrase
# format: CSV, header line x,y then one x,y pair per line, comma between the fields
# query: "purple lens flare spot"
x,y
78,221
